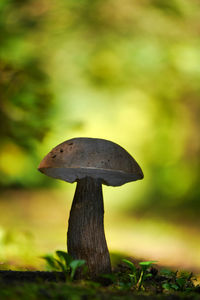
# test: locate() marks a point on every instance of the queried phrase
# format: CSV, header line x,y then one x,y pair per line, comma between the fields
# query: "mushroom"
x,y
90,162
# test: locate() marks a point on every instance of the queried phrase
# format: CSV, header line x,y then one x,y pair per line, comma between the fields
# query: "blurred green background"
x,y
127,71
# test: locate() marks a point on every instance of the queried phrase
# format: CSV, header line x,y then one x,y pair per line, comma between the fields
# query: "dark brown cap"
x,y
90,157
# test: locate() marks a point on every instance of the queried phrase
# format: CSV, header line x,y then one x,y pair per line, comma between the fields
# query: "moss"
x,y
51,285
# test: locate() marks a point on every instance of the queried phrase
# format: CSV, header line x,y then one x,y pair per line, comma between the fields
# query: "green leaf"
x,y
166,286
62,266
51,262
147,263
167,272
64,256
181,282
75,264
133,277
130,264
175,286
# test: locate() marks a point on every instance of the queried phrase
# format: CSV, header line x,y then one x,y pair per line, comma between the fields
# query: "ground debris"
x,y
30,276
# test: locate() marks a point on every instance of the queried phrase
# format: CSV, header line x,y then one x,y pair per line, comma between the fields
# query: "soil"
x,y
30,276
21,285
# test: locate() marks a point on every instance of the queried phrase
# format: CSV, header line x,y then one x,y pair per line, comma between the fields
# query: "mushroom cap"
x,y
90,157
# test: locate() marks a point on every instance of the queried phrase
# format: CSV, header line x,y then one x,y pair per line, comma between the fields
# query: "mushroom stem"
x,y
86,237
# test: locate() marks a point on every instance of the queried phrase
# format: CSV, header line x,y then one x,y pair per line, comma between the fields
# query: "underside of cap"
x,y
108,177
89,157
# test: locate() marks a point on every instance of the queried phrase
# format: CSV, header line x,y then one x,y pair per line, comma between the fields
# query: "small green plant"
x,y
144,273
62,261
178,281
139,275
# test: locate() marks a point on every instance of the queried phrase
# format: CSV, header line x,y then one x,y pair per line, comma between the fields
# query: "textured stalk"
x,y
86,237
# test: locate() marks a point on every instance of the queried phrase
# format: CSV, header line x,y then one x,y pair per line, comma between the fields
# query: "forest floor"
x,y
31,226
20,285
34,223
